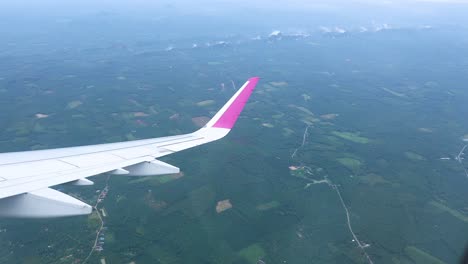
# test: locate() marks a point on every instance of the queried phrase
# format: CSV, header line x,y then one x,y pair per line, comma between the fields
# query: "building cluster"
x,y
101,235
103,194
101,240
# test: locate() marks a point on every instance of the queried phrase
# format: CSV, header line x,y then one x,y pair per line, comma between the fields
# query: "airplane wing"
x,y
25,177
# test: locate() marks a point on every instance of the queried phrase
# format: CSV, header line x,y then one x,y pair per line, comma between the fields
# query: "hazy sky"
x,y
87,22
219,4
275,12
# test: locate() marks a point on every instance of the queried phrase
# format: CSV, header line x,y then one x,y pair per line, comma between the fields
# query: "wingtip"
x,y
230,112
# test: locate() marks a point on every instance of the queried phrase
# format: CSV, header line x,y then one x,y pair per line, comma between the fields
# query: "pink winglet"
x,y
229,117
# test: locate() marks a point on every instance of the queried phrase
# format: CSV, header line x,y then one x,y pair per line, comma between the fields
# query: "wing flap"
x,y
183,145
89,160
20,170
131,153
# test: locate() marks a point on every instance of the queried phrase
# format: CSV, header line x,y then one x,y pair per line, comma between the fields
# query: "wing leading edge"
x,y
25,177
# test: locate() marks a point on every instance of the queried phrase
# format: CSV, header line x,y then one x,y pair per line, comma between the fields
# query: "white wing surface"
x,y
25,177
